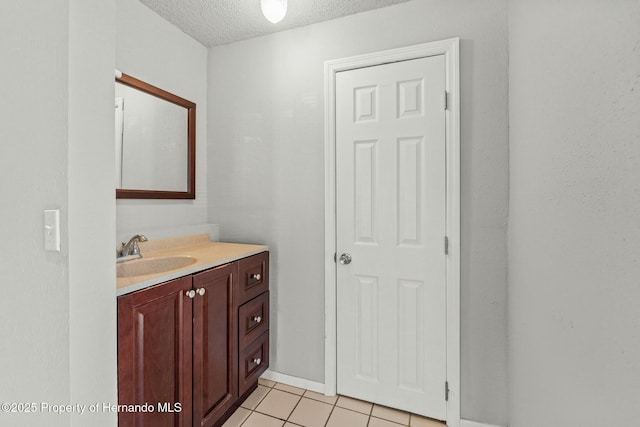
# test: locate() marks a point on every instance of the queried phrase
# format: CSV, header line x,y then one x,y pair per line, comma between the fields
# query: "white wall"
x,y
50,158
33,160
266,168
151,49
92,209
574,228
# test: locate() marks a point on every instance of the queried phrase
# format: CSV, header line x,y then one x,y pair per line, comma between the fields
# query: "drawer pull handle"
x,y
256,276
201,291
191,293
257,319
257,361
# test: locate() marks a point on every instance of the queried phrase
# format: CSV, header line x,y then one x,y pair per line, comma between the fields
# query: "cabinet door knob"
x,y
191,293
257,319
256,276
201,291
257,361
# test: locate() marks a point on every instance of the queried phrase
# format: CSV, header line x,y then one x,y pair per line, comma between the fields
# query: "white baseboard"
x,y
293,381
467,423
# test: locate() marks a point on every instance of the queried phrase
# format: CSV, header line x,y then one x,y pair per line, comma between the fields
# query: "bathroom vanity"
x,y
192,341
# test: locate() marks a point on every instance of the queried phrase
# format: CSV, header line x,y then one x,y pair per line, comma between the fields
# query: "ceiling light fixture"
x,y
274,10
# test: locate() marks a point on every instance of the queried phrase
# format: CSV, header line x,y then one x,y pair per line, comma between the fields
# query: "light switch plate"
x,y
52,230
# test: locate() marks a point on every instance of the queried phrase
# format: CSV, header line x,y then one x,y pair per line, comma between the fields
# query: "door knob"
x,y
345,259
191,293
201,291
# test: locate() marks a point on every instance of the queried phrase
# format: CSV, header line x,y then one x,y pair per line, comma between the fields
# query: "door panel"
x,y
154,355
390,191
215,344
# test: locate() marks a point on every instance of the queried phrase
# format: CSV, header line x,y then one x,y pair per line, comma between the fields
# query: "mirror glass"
x,y
155,142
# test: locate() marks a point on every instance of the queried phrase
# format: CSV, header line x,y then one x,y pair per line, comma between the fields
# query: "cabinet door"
x,y
215,341
154,355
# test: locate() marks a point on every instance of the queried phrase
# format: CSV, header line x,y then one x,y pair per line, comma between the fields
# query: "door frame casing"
x,y
450,49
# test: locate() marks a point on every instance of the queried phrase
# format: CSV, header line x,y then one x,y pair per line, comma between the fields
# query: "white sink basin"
x,y
145,266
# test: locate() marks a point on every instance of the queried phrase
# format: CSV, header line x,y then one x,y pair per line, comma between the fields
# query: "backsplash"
x,y
173,233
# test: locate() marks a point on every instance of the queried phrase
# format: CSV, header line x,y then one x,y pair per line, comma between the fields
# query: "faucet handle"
x,y
131,247
135,249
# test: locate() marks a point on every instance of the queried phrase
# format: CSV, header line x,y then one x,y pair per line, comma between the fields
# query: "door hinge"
x,y
446,100
446,245
446,391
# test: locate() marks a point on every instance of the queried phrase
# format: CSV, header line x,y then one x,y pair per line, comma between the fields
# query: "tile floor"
x,y
280,405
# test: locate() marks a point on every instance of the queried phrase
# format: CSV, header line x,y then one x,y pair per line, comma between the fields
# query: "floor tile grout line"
x,y
333,407
258,403
294,408
313,400
273,387
369,415
389,421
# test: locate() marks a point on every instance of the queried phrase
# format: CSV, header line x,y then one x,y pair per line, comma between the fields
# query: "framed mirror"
x,y
155,142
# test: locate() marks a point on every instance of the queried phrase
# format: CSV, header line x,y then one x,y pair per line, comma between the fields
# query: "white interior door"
x,y
391,206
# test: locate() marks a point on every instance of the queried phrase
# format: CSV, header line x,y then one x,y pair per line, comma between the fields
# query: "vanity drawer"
x,y
253,319
254,360
254,276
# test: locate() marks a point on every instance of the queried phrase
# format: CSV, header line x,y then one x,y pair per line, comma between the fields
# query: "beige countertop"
x,y
207,254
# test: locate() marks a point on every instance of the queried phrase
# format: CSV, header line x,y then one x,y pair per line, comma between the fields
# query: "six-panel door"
x,y
391,221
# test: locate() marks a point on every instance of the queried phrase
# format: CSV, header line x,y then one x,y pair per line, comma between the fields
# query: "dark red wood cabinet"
x,y
191,349
214,345
155,355
253,320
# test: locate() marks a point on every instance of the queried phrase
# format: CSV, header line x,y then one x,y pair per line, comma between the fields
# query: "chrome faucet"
x,y
131,249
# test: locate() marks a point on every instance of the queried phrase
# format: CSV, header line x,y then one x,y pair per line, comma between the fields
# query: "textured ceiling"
x,y
216,22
